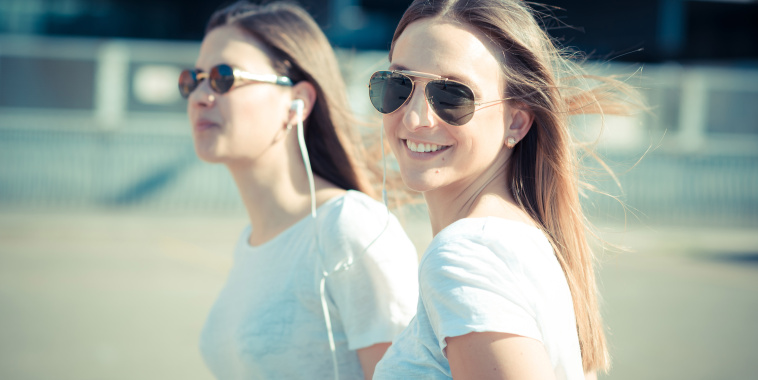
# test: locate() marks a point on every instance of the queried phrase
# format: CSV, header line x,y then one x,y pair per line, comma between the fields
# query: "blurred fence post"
x,y
111,84
693,110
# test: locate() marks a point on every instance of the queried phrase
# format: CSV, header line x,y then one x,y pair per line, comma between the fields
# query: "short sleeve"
x,y
466,287
377,292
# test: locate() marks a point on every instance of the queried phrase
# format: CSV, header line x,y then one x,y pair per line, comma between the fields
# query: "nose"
x,y
203,96
416,112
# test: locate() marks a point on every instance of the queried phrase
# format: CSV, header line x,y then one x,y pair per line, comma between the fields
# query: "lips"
x,y
204,124
420,147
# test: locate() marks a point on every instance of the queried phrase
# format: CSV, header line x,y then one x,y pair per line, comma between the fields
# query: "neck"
x,y
276,194
488,194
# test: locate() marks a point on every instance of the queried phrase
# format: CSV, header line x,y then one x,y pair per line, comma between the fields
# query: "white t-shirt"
x,y
268,321
486,274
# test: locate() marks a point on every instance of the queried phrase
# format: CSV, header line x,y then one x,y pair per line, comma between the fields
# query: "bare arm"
x,y
494,355
371,355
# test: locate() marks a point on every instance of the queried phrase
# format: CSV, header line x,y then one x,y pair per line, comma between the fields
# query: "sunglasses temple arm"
x,y
492,101
275,79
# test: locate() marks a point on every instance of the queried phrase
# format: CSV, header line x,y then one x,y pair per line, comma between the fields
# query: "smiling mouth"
x,y
424,148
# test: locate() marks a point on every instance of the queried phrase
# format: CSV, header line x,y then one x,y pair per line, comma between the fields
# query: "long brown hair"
x,y
301,51
542,172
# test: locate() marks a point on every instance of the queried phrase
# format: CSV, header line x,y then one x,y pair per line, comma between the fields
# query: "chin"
x,y
208,154
420,182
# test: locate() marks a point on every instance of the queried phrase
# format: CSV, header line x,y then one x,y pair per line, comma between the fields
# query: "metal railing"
x,y
99,123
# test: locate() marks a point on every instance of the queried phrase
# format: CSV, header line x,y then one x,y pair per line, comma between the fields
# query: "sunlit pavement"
x,y
683,304
123,295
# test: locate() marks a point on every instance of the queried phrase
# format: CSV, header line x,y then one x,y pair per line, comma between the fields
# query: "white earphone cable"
x,y
298,105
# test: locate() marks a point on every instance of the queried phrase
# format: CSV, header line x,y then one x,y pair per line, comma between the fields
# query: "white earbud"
x,y
298,105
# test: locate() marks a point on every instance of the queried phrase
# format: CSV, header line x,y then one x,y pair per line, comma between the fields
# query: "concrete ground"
x,y
123,295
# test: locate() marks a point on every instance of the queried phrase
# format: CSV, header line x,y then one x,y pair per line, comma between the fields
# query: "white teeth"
x,y
423,148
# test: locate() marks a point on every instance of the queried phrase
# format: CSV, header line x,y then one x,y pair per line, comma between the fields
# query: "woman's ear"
x,y
519,122
303,91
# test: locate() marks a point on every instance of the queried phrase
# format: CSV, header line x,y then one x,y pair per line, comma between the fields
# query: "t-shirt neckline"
x,y
484,219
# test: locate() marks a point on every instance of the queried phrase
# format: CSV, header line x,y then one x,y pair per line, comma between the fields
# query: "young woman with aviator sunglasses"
x,y
324,277
476,112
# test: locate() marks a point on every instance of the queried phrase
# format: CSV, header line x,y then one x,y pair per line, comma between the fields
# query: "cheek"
x,y
482,140
493,127
238,110
240,132
391,124
248,116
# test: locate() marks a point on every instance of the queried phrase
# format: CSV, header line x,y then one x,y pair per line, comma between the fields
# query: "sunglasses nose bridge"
x,y
202,93
418,111
421,85
206,81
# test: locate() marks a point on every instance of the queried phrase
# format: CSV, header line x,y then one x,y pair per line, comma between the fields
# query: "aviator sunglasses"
x,y
223,78
452,101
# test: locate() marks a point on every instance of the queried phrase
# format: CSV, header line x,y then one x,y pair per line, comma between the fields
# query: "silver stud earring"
x,y
510,143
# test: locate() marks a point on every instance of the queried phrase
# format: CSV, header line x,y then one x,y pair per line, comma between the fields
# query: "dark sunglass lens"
x,y
187,83
388,91
222,78
452,102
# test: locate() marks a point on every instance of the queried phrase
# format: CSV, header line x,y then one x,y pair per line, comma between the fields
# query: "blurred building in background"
x,y
90,115
664,29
